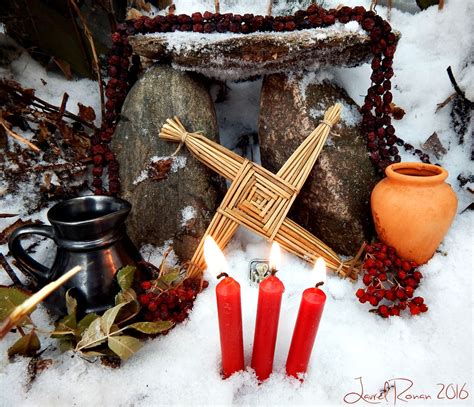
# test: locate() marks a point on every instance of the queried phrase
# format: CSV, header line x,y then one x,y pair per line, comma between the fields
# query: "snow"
x,y
183,367
51,86
237,116
188,213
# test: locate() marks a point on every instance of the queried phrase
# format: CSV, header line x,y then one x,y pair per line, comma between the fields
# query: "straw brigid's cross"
x,y
259,199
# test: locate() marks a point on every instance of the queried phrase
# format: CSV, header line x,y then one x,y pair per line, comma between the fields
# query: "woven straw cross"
x,y
259,199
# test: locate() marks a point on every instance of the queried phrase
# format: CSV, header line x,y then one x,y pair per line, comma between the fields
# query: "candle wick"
x,y
319,284
222,275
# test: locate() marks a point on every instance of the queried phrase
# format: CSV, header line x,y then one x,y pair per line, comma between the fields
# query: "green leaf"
x,y
108,319
151,328
126,296
171,277
10,297
101,352
84,323
71,303
93,336
27,345
69,321
124,346
125,277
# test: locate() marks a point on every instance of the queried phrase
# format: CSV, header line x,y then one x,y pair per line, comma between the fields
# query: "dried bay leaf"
x,y
10,297
126,296
129,310
93,336
71,303
151,328
125,277
27,345
108,319
84,323
124,346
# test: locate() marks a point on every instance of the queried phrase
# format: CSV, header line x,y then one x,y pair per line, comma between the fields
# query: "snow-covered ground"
x,y
431,352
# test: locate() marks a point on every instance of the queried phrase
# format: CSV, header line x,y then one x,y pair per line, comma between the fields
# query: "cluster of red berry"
x,y
169,305
376,122
390,279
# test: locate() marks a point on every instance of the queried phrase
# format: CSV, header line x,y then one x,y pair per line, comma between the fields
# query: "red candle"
x,y
266,325
229,311
230,326
307,322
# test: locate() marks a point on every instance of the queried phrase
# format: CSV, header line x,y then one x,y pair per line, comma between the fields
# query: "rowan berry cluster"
x,y
391,282
169,305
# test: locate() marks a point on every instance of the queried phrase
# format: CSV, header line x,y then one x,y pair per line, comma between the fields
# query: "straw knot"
x,y
327,123
184,136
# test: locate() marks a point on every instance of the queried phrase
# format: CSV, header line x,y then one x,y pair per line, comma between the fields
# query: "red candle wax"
x,y
229,311
266,326
307,322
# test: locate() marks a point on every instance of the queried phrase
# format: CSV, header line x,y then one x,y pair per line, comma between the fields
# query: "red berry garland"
x,y
391,282
376,120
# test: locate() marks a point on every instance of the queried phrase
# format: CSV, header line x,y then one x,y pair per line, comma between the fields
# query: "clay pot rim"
x,y
416,173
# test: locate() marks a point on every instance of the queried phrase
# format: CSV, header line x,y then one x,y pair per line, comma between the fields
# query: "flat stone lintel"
x,y
232,56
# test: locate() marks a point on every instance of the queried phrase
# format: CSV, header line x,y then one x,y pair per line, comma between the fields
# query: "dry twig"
x,y
439,106
270,7
18,137
95,59
9,270
63,106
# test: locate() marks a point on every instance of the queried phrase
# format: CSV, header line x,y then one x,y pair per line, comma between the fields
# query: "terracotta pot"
x,y
413,209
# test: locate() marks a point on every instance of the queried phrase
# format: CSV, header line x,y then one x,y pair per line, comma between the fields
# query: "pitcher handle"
x,y
30,266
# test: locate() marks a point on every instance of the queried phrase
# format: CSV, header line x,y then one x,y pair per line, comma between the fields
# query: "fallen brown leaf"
x,y
396,111
86,113
159,170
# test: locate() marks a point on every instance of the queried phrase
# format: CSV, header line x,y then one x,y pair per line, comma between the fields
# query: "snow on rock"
x,y
188,213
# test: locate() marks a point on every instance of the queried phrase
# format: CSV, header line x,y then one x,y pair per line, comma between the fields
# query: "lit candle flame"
x,y
215,260
275,257
319,271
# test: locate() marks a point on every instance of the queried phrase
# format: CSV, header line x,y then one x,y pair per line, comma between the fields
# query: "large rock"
x,y
179,207
334,203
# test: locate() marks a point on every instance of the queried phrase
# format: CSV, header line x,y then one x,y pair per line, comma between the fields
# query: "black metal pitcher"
x,y
89,232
